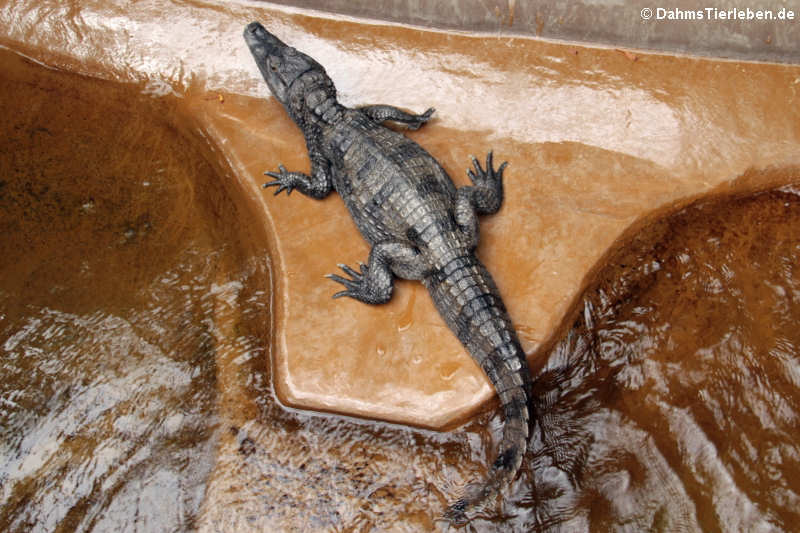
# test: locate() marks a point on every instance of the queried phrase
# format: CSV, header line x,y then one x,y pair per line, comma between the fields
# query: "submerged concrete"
x,y
595,139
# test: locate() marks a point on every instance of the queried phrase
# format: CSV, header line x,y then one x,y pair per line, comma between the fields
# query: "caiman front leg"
x,y
483,197
381,113
375,281
318,185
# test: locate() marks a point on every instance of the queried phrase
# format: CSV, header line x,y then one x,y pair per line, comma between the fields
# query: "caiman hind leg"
x,y
381,113
483,197
375,281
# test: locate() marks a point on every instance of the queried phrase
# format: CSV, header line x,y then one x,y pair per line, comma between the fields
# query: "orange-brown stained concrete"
x,y
595,138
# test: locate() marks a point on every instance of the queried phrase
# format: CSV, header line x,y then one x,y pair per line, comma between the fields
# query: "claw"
x,y
353,286
350,272
339,279
421,119
282,180
476,175
478,170
479,176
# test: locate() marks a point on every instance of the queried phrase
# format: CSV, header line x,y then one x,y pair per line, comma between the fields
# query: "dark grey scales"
x,y
419,225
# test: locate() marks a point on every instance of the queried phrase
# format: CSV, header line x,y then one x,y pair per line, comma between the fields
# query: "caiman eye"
x,y
273,65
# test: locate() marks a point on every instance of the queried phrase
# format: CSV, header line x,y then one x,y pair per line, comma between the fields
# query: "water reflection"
x,y
674,393
99,422
114,259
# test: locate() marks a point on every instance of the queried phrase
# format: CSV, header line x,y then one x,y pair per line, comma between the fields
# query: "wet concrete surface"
x,y
596,139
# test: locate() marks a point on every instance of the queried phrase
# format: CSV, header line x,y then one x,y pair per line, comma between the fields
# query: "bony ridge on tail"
x,y
420,227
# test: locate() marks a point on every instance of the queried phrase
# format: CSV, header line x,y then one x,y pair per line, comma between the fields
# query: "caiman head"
x,y
296,80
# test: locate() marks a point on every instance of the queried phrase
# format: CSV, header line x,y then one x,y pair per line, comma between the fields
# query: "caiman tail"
x,y
468,300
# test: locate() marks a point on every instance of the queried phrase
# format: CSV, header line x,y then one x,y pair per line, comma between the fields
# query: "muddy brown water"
x,y
136,395
118,243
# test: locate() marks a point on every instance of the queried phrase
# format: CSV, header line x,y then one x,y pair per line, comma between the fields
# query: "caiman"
x,y
420,227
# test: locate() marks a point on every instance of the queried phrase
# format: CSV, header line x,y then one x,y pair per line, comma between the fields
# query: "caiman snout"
x,y
260,40
280,65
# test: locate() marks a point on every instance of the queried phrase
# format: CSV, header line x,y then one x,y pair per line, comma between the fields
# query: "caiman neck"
x,y
323,107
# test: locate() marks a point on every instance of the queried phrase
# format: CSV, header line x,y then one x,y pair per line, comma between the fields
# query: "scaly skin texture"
x,y
419,225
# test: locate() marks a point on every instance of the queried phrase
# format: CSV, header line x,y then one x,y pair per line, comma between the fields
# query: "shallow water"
x,y
673,402
117,241
136,391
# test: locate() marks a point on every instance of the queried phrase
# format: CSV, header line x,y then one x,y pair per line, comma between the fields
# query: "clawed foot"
x,y
421,119
488,178
284,180
364,286
354,286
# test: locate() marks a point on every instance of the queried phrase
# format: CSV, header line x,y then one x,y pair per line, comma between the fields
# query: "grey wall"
x,y
610,22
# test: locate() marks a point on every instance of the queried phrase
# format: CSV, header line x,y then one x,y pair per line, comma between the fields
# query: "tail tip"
x,y
479,494
456,514
475,497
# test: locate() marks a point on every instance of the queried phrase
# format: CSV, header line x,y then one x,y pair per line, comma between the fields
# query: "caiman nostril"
x,y
255,29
